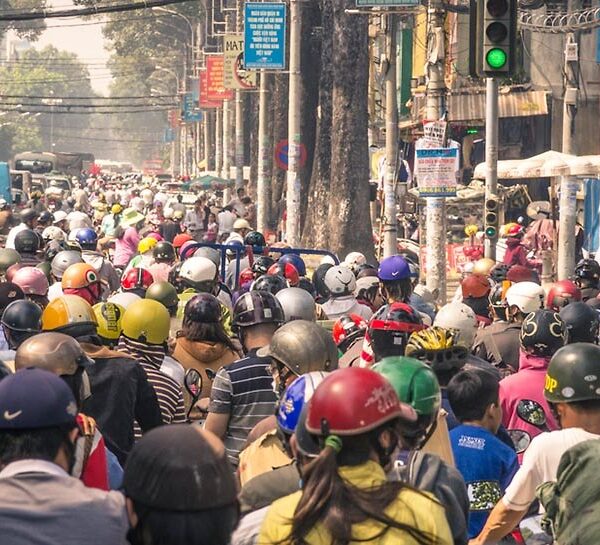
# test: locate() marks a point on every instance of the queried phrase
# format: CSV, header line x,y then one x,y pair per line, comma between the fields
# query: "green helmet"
x,y
573,374
416,384
47,269
164,293
8,257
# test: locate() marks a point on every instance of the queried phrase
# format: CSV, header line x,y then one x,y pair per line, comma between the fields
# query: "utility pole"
x,y
568,184
491,154
208,119
263,179
294,129
218,141
390,228
239,112
226,154
436,206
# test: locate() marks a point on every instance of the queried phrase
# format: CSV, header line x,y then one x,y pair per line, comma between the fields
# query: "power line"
x,y
88,97
86,112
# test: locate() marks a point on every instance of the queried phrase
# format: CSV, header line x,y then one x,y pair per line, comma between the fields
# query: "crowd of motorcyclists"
x,y
161,389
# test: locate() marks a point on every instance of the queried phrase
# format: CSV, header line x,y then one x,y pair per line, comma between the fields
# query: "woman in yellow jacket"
x,y
346,498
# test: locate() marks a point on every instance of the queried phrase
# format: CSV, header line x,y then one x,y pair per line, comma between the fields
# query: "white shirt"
x,y
226,220
32,465
540,464
347,304
10,239
55,291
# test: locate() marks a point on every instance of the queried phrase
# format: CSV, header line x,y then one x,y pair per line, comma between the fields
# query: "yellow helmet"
x,y
483,266
437,347
226,320
146,321
146,244
109,317
116,209
65,311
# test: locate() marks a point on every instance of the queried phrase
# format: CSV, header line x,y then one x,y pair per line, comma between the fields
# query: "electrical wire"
x,y
3,96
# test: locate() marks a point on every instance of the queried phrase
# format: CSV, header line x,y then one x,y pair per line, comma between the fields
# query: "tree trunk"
x,y
280,124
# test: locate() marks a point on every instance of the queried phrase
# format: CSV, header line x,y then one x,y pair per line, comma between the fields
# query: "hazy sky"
x,y
85,40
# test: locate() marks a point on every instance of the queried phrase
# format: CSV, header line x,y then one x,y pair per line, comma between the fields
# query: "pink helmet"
x,y
156,236
32,281
185,245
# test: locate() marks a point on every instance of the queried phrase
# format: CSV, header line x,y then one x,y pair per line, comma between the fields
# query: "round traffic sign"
x,y
282,154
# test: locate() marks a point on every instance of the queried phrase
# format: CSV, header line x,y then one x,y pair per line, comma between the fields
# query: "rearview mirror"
x,y
532,412
521,440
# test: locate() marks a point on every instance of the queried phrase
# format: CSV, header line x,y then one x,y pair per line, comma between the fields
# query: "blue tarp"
x,y
592,214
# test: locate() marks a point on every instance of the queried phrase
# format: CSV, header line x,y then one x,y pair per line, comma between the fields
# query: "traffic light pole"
x,y
491,155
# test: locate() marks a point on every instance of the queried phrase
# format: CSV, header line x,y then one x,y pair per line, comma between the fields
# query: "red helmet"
x,y
475,285
287,270
246,276
180,239
561,294
353,401
136,278
514,230
347,328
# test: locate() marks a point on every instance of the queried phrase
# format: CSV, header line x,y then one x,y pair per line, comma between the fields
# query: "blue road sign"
x,y
264,35
190,113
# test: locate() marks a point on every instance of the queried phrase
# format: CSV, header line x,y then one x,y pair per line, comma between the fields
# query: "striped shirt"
x,y
243,390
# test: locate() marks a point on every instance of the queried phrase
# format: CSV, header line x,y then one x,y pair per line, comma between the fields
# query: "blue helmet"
x,y
296,261
87,238
295,397
394,268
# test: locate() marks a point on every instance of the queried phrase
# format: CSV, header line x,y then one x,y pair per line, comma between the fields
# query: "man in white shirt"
x,y
28,218
572,389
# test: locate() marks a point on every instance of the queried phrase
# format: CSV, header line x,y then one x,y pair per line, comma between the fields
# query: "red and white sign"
x,y
215,71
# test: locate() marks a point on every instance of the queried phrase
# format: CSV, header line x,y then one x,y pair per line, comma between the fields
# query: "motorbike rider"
x,y
28,243
28,217
587,278
582,322
164,258
341,283
34,284
475,289
348,333
561,294
83,280
59,264
88,241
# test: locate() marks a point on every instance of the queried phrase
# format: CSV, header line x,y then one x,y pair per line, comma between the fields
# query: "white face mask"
x,y
274,387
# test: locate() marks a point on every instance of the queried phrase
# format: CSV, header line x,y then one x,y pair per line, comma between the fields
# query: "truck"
x,y
44,162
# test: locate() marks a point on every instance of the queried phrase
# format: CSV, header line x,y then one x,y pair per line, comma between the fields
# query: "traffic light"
x,y
491,217
493,37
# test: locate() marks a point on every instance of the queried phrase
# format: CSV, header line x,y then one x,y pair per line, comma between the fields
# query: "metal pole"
x,y
208,119
263,179
491,151
436,207
226,155
218,141
390,229
294,129
239,139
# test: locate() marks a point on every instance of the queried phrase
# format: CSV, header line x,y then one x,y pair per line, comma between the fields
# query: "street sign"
x,y
400,3
282,151
436,171
215,90
264,35
190,113
204,101
235,75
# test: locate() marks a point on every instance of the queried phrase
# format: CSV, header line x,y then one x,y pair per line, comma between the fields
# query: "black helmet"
x,y
27,214
254,238
587,269
9,292
27,242
366,269
543,332
582,322
497,300
45,217
305,284
203,307
175,278
164,251
272,283
261,265
23,316
499,273
257,307
318,280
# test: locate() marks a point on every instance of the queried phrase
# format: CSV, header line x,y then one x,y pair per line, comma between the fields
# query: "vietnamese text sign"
x,y
214,79
264,35
235,75
204,101
403,3
436,171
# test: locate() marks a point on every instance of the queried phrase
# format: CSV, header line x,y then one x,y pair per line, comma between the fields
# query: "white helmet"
x,y
353,260
526,296
53,233
147,195
198,269
461,318
124,298
297,304
327,260
210,253
59,215
168,213
340,280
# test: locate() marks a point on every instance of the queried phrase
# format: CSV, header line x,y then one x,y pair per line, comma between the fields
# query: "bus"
x,y
44,162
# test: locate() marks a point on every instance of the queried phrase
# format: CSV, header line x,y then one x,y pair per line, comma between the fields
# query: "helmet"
x,y
54,352
87,238
297,304
365,270
499,272
246,277
347,328
146,321
45,217
23,316
273,283
438,347
27,242
390,329
204,308
32,281
164,251
146,244
294,399
302,346
27,214
79,275
254,238
8,257
415,384
168,213
318,279
526,296
53,233
305,284
497,300
257,307
178,214
475,285
109,317
241,223
460,318
63,260
582,322
198,273
561,294
340,280
164,293
116,209
353,401
59,216
519,273
393,268
9,292
483,266
353,260
124,298
296,261
67,310
572,374
543,332
180,239
136,278
209,253
261,264
587,269
287,271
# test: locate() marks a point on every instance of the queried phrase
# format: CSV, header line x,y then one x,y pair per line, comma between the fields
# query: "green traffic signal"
x,y
496,58
491,232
